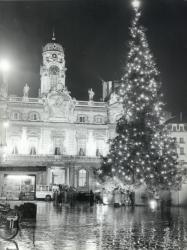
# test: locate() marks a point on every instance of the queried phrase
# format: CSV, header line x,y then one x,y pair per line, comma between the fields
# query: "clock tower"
x,y
52,70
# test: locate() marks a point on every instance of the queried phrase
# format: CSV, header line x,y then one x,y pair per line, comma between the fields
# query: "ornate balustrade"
x,y
38,100
86,103
47,159
20,99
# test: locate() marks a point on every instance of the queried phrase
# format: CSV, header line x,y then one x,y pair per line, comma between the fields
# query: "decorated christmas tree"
x,y
143,150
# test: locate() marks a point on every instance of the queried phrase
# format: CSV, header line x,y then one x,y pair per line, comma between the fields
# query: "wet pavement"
x,y
85,227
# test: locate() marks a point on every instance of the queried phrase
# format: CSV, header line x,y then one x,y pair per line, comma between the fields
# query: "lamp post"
x,y
4,68
3,145
5,125
136,4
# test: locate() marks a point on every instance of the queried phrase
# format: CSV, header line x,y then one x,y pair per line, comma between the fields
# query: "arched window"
x,y
34,116
15,115
82,178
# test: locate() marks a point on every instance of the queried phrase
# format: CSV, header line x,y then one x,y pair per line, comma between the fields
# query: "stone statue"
x,y
91,94
26,90
113,98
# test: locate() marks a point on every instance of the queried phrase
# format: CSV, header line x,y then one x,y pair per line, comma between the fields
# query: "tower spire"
x,y
53,37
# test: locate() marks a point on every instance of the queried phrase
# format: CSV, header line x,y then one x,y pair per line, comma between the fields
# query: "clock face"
x,y
54,56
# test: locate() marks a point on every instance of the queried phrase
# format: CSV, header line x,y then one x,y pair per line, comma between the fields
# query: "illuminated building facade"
x,y
54,138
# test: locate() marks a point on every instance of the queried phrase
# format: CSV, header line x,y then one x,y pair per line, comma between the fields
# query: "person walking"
x,y
132,198
117,197
91,198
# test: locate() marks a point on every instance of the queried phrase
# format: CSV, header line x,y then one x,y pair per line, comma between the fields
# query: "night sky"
x,y
95,35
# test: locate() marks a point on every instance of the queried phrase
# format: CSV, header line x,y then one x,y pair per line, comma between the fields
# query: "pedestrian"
x,y
55,196
117,197
123,197
60,195
91,198
65,195
132,197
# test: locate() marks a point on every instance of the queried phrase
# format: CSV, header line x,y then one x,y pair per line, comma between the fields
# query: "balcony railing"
x,y
20,99
49,158
86,103
38,100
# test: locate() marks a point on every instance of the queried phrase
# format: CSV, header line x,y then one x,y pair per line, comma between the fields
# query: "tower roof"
x,y
53,45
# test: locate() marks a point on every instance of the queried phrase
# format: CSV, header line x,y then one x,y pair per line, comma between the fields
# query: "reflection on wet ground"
x,y
85,227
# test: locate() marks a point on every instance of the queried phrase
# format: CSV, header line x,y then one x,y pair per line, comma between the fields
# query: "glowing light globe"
x,y
136,4
153,204
6,124
4,65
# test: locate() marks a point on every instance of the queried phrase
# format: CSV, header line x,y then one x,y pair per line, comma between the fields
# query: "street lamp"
x,y
136,4
4,65
6,125
3,145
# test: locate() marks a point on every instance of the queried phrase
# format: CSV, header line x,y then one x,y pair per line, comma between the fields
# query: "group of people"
x,y
66,194
118,197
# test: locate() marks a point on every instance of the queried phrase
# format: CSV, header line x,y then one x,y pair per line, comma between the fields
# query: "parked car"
x,y
45,192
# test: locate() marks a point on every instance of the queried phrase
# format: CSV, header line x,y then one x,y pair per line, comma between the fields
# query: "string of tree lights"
x,y
142,151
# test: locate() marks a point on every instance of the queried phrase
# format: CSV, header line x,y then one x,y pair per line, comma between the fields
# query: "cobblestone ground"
x,y
85,227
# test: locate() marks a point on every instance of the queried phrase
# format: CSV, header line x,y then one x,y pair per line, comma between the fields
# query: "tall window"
x,y
81,144
174,128
181,151
181,140
82,152
82,119
181,128
57,150
15,116
54,75
14,150
33,151
82,178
